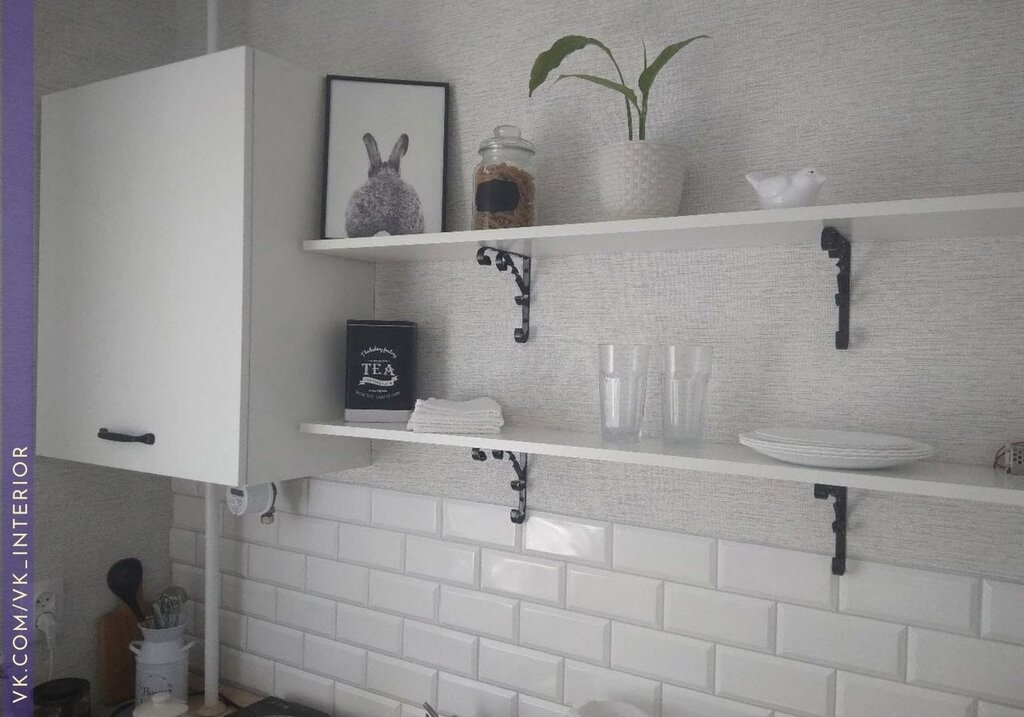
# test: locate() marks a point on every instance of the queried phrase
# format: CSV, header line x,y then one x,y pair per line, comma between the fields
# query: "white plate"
x,y
789,455
920,451
827,438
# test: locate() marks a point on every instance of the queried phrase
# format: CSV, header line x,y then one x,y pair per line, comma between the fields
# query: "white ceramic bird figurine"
x,y
777,190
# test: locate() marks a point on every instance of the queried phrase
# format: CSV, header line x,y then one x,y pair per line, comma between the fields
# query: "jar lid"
x,y
160,705
507,136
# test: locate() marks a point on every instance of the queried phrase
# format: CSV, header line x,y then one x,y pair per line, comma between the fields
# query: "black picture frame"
x,y
329,83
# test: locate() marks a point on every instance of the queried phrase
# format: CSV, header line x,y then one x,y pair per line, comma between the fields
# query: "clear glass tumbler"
x,y
623,383
684,382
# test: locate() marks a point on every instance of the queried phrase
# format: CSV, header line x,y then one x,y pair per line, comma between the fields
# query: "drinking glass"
x,y
623,383
684,381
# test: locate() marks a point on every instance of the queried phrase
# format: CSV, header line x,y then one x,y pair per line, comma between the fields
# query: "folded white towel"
x,y
435,415
456,420
477,408
468,429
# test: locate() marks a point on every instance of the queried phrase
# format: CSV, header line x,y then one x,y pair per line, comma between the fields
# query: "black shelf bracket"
x,y
520,465
503,261
824,492
838,247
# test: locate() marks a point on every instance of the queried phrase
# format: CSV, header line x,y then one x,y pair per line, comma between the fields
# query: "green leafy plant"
x,y
550,59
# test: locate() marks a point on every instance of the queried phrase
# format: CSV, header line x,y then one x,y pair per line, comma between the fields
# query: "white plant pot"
x,y
640,179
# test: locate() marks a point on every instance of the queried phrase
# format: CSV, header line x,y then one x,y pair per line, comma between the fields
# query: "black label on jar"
x,y
497,195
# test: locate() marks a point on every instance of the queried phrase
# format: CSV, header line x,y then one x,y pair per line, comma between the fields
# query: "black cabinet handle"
x,y
147,438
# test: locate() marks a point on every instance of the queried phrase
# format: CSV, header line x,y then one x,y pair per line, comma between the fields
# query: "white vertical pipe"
x,y
212,26
211,637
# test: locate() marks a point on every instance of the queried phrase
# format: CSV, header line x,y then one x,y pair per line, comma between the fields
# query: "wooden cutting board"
x,y
115,632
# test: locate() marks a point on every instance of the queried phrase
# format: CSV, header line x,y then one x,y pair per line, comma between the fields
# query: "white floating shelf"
x,y
940,480
921,219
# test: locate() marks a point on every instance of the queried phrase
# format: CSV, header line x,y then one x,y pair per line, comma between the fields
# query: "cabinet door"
x,y
143,264
300,300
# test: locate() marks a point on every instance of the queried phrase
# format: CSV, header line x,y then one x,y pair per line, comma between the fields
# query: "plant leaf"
x,y
644,45
629,94
651,71
553,57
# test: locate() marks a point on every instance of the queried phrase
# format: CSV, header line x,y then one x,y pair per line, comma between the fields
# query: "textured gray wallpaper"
x,y
890,100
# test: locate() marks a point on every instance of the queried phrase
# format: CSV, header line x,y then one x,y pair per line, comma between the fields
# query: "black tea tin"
x,y
380,385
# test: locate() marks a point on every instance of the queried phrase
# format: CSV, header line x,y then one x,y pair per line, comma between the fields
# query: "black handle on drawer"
x,y
147,438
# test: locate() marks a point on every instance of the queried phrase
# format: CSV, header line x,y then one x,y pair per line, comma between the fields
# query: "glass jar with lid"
x,y
504,186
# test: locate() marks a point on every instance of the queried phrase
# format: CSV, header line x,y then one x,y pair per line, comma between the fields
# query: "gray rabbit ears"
x,y
397,152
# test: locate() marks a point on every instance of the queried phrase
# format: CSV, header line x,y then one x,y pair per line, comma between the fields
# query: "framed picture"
x,y
385,157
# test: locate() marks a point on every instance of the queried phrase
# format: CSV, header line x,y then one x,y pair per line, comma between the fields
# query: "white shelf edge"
x,y
937,480
969,215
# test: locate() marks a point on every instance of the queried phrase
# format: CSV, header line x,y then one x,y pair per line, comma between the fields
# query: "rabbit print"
x,y
386,203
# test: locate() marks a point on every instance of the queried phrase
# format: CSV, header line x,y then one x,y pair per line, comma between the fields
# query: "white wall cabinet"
x,y
174,294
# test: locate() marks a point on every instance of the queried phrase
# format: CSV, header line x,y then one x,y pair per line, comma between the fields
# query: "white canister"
x,y
160,705
161,667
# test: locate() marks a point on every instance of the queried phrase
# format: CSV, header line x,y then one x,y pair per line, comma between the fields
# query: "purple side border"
x,y
19,347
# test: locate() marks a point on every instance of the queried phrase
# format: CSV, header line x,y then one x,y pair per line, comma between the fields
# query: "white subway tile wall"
x,y
526,670
584,683
785,575
673,556
343,581
853,643
247,596
523,576
679,702
916,597
401,680
352,702
1002,611
583,541
406,512
533,707
334,659
234,556
440,560
721,617
274,641
479,613
183,545
340,501
371,546
478,523
398,593
774,682
979,667
364,602
657,654
282,567
989,710
858,695
466,698
308,535
613,594
306,612
440,647
304,687
564,632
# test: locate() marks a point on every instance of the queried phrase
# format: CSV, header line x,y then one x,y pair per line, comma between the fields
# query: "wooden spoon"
x,y
124,579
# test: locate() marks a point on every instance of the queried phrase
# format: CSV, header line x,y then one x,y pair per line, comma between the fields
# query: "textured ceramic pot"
x,y
640,179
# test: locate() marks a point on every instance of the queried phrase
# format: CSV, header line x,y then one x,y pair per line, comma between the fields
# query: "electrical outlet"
x,y
48,596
